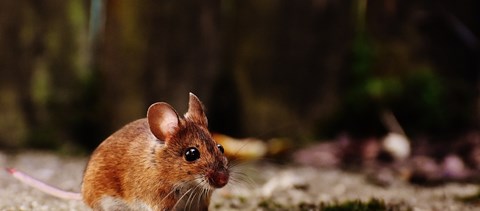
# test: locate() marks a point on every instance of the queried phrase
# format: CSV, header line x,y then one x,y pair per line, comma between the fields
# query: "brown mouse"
x,y
162,162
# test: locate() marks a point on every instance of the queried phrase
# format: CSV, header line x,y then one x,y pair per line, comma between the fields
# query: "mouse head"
x,y
189,147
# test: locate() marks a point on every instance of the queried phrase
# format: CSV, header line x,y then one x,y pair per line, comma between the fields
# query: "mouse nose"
x,y
218,178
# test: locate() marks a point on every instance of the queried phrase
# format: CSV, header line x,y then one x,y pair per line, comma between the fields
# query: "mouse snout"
x,y
218,178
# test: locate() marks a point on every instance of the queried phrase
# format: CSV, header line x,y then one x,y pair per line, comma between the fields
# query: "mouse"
x,y
161,162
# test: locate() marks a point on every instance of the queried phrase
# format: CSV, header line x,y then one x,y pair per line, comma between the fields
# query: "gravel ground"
x,y
284,186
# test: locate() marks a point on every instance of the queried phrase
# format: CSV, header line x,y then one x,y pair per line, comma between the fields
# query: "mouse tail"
x,y
42,186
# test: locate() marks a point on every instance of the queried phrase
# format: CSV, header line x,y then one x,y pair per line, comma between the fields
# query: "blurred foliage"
x,y
72,72
389,73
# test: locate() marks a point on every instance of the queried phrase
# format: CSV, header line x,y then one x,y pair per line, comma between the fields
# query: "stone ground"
x,y
283,186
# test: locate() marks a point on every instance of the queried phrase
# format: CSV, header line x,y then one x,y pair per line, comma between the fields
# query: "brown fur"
x,y
143,165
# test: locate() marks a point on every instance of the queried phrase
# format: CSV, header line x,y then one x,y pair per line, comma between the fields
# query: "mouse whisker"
x,y
205,189
205,192
168,194
240,148
239,177
181,197
191,196
190,190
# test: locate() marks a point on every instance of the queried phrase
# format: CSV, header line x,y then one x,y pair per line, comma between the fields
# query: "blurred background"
x,y
74,71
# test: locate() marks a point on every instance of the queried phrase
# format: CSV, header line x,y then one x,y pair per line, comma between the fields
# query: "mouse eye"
x,y
192,154
220,147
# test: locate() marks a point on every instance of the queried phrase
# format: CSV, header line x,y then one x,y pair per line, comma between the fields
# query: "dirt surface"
x,y
284,186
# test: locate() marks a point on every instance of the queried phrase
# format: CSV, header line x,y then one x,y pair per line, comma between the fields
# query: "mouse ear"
x,y
163,120
195,111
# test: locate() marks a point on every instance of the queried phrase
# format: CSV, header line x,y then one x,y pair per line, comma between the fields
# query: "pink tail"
x,y
43,187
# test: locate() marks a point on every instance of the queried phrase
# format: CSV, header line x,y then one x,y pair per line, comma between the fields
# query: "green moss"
x,y
472,199
242,200
357,205
352,205
217,206
271,205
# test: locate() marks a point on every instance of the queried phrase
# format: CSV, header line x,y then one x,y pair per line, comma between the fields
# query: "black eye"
x,y
192,154
220,147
